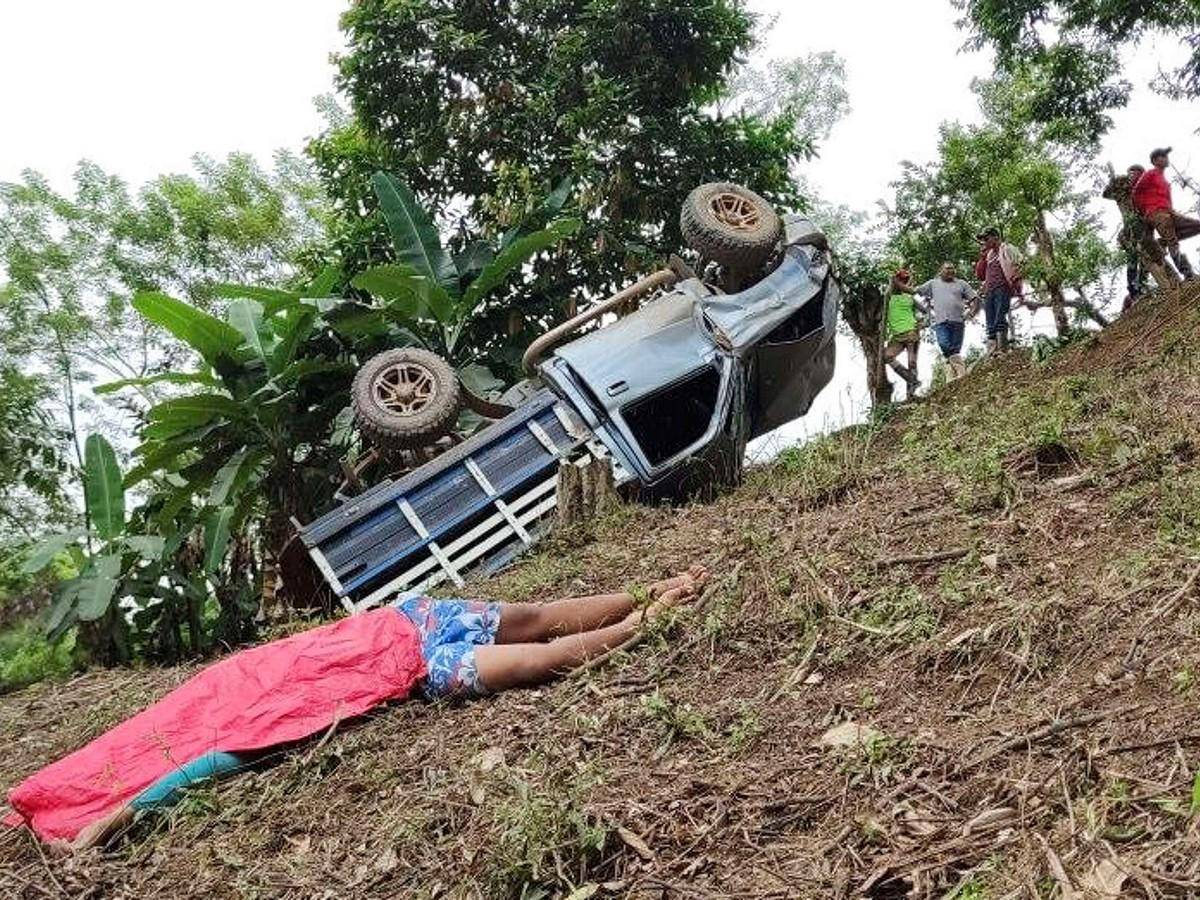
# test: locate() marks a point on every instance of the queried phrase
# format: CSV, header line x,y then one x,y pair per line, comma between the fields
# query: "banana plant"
x,y
111,554
251,440
435,293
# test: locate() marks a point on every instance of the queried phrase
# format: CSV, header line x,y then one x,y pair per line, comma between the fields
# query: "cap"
x,y
1159,151
987,233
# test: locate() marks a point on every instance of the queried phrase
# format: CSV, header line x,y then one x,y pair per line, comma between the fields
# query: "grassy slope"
x,y
693,766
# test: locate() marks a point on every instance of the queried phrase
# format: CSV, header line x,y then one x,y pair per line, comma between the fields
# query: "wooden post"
x,y
569,493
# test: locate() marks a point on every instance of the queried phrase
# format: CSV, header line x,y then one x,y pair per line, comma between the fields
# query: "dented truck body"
x,y
670,393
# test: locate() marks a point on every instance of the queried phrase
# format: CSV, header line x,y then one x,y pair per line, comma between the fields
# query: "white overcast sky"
x,y
138,86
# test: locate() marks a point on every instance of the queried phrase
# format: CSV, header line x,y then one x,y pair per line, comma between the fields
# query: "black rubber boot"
x,y
1185,267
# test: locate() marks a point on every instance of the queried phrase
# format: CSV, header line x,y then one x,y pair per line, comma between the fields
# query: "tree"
x,y
71,261
483,108
1012,172
811,89
251,446
32,465
1070,49
864,274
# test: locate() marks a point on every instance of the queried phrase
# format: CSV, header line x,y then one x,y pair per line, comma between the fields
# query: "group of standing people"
x,y
1144,198
947,301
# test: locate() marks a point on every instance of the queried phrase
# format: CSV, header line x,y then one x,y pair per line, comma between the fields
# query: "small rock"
x,y
815,678
991,560
490,758
848,734
388,860
634,840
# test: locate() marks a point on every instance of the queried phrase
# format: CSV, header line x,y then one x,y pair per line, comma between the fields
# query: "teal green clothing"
x,y
901,315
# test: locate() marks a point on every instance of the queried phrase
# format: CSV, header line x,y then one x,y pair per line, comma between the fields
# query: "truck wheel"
x,y
730,225
405,398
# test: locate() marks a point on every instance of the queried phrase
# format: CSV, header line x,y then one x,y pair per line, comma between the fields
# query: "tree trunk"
x,y
865,314
1044,242
106,640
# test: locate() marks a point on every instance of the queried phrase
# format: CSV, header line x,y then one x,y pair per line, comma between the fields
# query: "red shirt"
x,y
1152,192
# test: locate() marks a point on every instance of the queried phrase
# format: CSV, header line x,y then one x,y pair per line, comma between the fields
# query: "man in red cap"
x,y
1152,197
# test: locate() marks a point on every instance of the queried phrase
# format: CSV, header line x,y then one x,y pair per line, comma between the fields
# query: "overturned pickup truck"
x,y
670,393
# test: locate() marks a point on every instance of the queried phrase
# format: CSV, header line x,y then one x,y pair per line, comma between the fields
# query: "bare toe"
x,y
671,598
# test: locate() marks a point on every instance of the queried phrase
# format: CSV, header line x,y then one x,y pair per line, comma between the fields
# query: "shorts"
x,y
450,630
949,337
906,338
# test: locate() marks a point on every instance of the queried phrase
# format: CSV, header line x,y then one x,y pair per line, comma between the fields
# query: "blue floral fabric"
x,y
450,631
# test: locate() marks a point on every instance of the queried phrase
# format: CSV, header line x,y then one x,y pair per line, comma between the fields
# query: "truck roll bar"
x,y
553,337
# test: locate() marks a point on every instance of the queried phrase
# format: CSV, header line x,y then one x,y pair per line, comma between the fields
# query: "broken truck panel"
x,y
698,370
486,495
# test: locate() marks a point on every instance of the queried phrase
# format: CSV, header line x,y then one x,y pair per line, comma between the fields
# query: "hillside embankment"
x,y
951,653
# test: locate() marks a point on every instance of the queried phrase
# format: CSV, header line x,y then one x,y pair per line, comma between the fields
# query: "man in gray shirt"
x,y
948,295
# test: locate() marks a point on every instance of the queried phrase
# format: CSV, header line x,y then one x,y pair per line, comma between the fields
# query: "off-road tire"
x,y
405,398
731,226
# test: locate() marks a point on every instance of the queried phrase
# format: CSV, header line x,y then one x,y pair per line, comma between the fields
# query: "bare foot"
x,y
695,576
101,831
669,599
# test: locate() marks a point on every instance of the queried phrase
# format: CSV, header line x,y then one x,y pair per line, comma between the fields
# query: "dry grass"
x,y
1031,703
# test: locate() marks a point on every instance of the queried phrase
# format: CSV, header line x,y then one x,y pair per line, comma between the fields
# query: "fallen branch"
x,y
1058,726
917,559
1149,745
1065,888
869,629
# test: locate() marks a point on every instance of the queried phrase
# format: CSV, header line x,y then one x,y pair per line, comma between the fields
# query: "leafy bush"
x,y
28,656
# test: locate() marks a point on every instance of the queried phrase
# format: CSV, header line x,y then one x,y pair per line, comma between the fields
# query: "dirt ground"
x,y
953,653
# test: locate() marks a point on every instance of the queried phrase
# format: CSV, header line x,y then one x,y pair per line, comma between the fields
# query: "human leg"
x,y
503,666
164,793
522,623
989,316
1163,221
996,306
1003,307
1183,227
1134,277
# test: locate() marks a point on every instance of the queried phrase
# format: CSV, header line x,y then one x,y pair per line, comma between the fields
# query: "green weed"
x,y
970,890
829,467
544,829
26,657
878,760
678,721
1179,509
899,612
746,728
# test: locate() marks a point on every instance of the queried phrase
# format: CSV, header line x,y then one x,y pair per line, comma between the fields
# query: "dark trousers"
x,y
1135,275
995,310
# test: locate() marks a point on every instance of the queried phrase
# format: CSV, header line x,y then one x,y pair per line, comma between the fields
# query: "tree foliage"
x,y
1069,48
33,468
435,294
482,109
1012,172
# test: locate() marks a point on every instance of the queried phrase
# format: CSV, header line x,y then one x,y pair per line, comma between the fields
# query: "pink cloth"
x,y
272,694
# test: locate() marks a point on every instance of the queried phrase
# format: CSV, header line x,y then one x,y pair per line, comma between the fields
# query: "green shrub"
x,y
26,656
